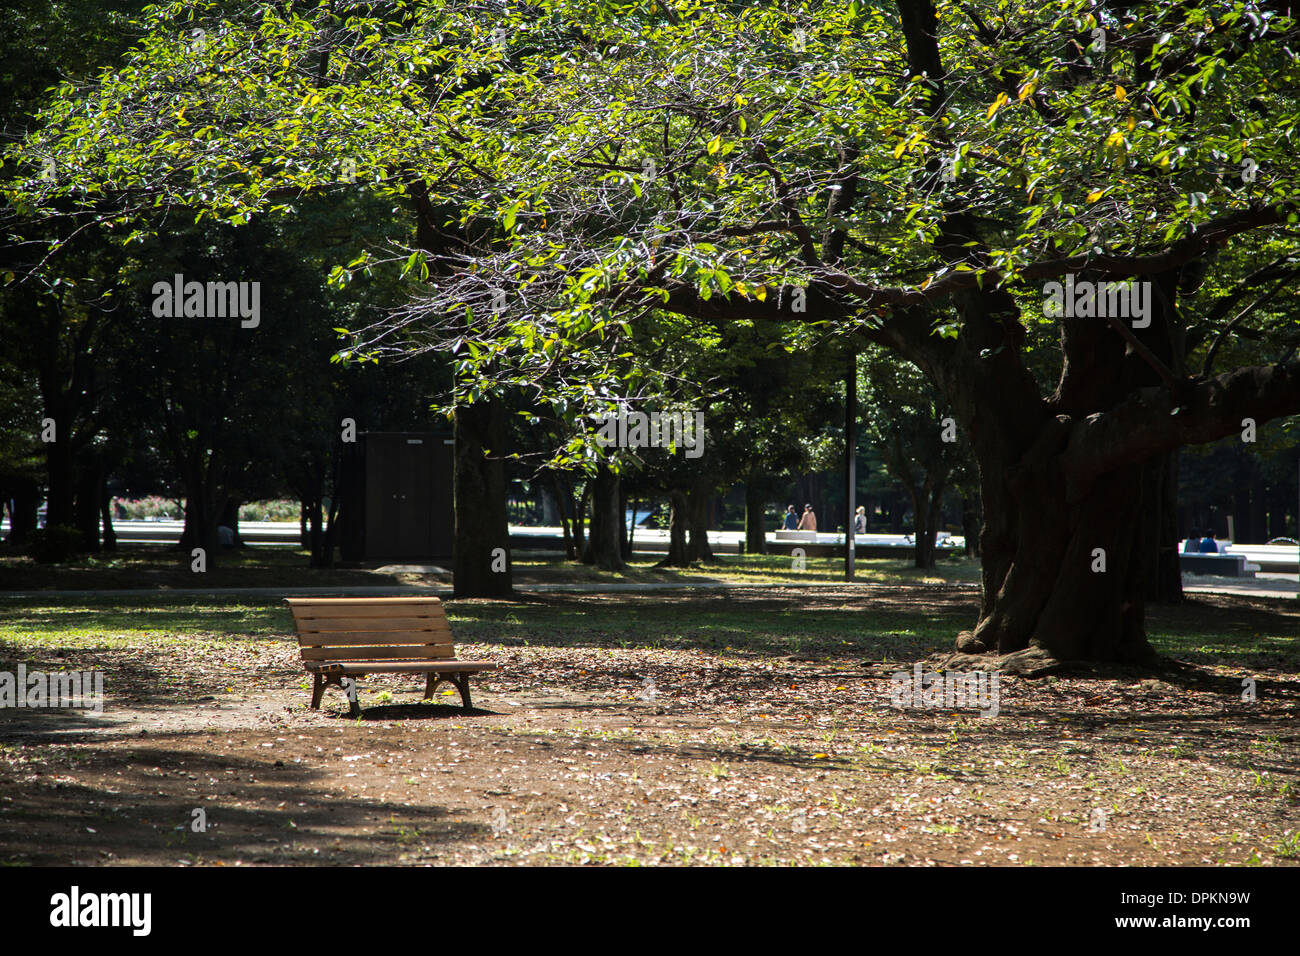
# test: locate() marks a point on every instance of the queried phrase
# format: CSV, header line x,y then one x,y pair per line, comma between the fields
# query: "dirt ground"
x,y
642,756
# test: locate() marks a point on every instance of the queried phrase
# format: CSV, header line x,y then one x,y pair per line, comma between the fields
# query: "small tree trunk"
x,y
563,501
698,509
479,491
1159,531
87,507
106,517
624,537
604,544
60,474
678,556
23,512
923,527
316,533
970,526
755,520
230,519
895,512
200,525
580,520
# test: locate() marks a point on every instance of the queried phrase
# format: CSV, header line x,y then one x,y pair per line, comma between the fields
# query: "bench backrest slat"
x,y
331,629
409,652
389,638
398,625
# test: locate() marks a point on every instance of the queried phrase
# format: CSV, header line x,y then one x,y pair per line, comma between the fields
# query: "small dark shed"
x,y
395,496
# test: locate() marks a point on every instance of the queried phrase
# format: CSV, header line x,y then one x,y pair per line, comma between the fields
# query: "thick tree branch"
x,y
1156,420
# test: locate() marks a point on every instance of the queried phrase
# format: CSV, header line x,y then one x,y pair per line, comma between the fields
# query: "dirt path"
x,y
613,755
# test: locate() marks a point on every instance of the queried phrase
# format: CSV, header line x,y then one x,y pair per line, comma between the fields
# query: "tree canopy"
x,y
915,176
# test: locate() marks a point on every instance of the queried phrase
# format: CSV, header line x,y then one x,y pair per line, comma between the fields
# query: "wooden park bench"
x,y
352,637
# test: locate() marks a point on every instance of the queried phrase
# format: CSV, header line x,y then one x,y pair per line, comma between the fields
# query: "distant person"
x,y
860,521
1193,543
809,520
1208,545
791,522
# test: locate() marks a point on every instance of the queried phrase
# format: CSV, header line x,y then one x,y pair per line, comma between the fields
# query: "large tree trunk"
x,y
755,519
482,537
1071,582
605,542
1063,556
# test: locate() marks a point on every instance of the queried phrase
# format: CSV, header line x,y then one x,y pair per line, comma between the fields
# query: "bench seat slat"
x,y
402,667
412,652
380,602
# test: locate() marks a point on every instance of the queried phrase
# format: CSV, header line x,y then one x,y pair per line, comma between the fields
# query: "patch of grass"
x,y
1289,846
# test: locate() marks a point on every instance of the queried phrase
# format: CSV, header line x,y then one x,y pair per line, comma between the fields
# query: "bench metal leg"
x,y
460,679
325,680
350,688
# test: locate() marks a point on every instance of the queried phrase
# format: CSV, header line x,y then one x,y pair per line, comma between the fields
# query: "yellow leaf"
x,y
1095,195
1120,94
821,756
760,293
997,104
898,150
715,144
1115,139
